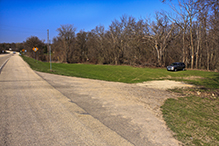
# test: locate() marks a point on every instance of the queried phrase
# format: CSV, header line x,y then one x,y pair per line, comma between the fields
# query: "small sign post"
x,y
35,49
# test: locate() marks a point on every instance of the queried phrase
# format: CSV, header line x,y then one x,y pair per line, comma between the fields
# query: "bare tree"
x,y
115,31
213,34
32,42
182,22
161,35
191,36
187,11
81,44
66,36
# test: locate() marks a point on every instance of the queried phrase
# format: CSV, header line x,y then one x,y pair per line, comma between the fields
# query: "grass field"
x,y
126,74
194,119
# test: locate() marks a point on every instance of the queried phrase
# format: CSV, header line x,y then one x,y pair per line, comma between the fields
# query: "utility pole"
x,y
48,46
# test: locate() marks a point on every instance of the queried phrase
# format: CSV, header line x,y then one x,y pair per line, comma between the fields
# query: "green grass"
x,y
194,120
126,74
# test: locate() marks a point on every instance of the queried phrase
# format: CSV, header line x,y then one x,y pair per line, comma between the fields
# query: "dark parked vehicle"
x,y
176,66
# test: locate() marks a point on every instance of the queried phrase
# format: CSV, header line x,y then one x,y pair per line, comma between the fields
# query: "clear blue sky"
x,y
20,19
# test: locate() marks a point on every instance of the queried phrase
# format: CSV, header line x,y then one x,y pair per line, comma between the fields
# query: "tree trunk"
x,y
208,56
200,50
116,61
184,45
65,52
200,58
158,52
211,59
186,58
197,51
161,57
192,47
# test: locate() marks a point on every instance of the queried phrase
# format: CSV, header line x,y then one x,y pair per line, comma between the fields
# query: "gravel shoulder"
x,y
131,110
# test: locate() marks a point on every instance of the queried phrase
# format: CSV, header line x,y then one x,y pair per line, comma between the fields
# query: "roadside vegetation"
x,y
194,117
126,74
188,33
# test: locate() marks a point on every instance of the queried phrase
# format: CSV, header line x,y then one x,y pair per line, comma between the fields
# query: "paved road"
x,y
3,59
130,110
32,112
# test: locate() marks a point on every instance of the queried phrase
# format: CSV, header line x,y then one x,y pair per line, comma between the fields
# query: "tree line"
x,y
189,34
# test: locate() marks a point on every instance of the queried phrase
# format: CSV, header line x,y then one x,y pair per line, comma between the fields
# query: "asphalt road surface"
x,y
3,59
32,112
43,109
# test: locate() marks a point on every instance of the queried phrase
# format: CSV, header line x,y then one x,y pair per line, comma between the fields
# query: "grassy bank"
x,y
126,74
194,118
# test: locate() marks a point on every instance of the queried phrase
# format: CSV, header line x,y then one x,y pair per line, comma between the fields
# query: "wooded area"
x,y
189,34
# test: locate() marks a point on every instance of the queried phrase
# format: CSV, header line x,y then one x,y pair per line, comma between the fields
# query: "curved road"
x,y
32,112
44,109
3,60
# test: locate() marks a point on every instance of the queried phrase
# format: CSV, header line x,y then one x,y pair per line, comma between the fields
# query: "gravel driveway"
x,y
131,110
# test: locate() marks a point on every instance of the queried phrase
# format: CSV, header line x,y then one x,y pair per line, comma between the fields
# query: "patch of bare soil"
x,y
164,84
186,78
193,77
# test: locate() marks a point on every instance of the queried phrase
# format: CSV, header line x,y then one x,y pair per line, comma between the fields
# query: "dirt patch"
x,y
186,78
164,84
193,78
